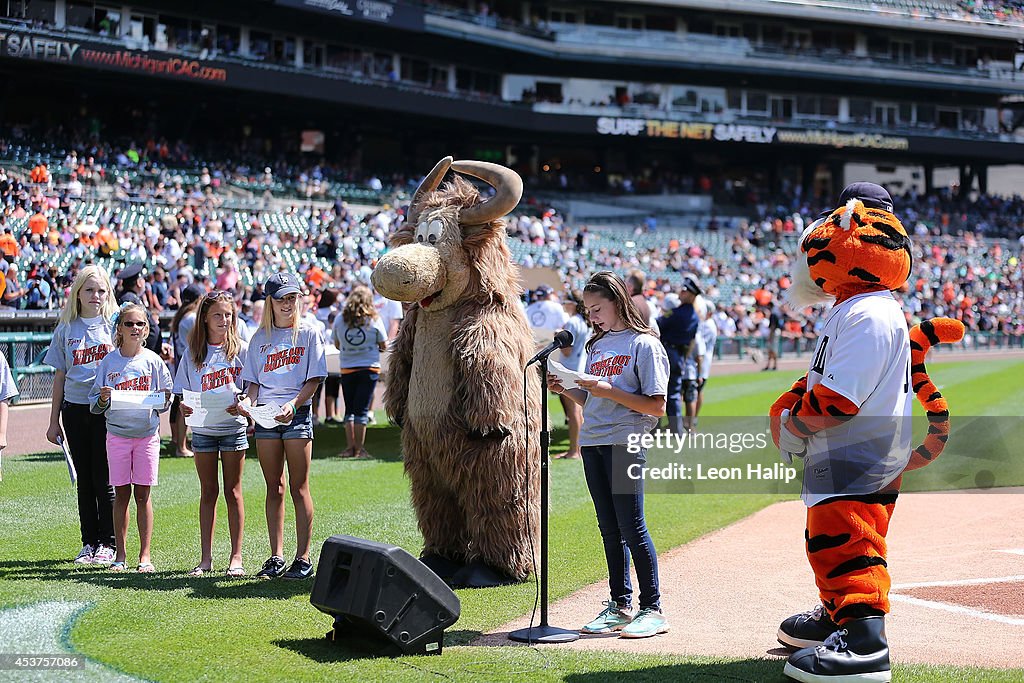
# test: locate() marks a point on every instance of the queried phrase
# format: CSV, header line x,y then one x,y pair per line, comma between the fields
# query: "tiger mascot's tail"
x,y
922,338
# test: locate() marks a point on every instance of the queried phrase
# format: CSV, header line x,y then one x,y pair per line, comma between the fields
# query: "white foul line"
x,y
961,582
957,609
1013,551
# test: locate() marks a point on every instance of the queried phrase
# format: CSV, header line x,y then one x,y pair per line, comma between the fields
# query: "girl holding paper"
x,y
82,339
212,366
133,433
625,402
285,364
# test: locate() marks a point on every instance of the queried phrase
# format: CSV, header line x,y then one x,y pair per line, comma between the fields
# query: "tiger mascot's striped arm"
x,y
810,411
821,407
922,338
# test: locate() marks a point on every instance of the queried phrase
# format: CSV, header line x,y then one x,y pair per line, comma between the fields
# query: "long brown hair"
x,y
610,286
581,308
359,308
197,337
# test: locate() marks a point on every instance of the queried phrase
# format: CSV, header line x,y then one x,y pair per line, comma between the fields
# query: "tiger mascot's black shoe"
x,y
856,652
807,630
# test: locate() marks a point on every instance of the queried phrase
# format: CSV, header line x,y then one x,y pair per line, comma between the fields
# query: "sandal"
x,y
362,455
234,572
198,571
118,566
145,568
347,453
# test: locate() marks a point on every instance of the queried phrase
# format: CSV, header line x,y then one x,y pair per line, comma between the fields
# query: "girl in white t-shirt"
x,y
84,336
360,336
284,366
212,364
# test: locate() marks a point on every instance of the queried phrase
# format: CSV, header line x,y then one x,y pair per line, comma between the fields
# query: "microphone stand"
x,y
544,632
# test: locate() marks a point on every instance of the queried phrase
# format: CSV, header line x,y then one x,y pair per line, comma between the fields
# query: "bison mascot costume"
x,y
455,379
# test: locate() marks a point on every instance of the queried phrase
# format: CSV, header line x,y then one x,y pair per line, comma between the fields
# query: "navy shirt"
x,y
679,327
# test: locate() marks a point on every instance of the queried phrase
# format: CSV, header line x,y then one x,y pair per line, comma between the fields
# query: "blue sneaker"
x,y
648,622
614,617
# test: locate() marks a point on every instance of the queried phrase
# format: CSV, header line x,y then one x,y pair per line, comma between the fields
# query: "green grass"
x,y
168,627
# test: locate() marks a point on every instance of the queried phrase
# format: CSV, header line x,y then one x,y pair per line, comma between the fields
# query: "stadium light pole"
x,y
543,632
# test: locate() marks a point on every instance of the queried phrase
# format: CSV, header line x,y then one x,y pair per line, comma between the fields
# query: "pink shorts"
x,y
133,461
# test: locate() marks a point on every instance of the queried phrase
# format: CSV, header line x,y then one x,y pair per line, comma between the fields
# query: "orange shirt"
x,y
9,245
37,224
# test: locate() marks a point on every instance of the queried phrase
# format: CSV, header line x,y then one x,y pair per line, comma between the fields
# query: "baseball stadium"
x,y
551,340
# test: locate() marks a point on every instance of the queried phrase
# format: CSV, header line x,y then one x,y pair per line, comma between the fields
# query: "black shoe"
x,y
272,568
300,569
807,630
856,652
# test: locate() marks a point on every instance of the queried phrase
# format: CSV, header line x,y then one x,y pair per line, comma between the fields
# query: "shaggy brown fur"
x,y
455,384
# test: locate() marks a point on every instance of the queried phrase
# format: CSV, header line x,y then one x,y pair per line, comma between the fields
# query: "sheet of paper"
x,y
67,458
265,414
567,376
209,408
125,399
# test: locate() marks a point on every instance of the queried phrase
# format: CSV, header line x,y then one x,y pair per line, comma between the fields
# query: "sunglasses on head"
x,y
220,295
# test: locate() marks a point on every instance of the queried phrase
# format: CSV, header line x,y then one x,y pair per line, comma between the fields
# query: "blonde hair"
x,y
610,286
359,308
267,322
73,309
197,337
128,308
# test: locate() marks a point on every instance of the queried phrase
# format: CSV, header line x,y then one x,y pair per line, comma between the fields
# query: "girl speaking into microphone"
x,y
626,401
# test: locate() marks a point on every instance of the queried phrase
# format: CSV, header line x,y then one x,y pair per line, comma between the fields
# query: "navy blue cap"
x,y
191,293
280,285
129,272
873,196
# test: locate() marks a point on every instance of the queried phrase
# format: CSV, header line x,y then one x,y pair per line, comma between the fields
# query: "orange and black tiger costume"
x,y
859,248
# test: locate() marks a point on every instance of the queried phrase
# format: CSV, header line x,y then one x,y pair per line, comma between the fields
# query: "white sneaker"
x,y
104,555
85,556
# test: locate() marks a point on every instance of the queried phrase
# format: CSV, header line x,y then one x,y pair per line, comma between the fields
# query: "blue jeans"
x,y
674,397
620,517
357,389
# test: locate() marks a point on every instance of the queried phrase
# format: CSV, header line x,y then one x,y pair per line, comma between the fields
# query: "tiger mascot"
x,y
849,417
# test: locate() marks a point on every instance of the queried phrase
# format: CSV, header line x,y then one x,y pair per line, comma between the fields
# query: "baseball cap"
x,y
129,272
543,290
691,284
191,293
871,195
280,285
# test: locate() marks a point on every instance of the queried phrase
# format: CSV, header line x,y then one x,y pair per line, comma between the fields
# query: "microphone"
x,y
562,340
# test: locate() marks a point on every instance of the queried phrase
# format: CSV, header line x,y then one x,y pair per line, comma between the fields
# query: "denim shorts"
x,y
201,443
301,427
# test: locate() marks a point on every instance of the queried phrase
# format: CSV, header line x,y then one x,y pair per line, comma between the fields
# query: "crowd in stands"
x,y
745,265
965,276
152,167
